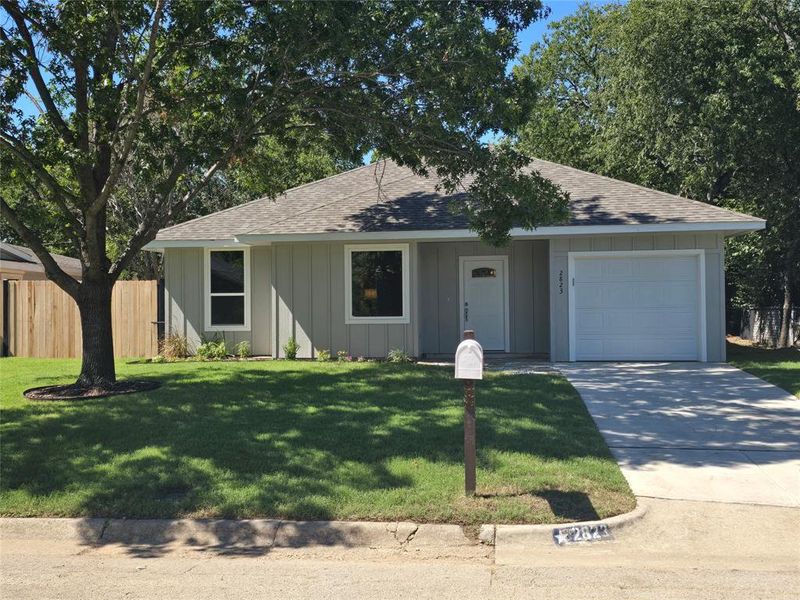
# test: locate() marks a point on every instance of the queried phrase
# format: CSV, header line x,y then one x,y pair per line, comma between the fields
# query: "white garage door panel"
x,y
618,322
620,295
626,348
636,308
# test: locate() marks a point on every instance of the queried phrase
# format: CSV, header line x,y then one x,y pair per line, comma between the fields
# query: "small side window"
x,y
227,283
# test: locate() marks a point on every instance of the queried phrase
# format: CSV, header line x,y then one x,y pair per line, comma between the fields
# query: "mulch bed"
x,y
79,392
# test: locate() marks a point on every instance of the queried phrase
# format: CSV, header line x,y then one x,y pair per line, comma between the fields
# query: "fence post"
x,y
4,320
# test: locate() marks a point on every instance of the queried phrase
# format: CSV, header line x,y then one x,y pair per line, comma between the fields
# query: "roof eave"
x,y
260,239
161,245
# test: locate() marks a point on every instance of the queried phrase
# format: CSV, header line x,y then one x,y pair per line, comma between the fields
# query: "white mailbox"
x,y
469,360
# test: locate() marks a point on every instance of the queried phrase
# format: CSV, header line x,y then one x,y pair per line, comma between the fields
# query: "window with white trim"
x,y
376,283
227,283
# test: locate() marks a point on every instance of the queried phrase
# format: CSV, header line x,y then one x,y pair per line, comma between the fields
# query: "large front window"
x,y
377,283
227,282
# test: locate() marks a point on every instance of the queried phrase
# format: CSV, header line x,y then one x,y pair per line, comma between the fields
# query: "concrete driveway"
x,y
695,431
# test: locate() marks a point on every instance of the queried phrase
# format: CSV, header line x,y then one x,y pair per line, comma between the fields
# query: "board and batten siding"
x,y
309,298
713,245
528,294
184,299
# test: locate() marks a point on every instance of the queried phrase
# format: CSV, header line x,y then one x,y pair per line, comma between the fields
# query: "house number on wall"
x,y
561,281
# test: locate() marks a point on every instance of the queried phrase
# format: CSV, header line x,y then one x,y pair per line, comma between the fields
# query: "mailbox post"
x,y
469,367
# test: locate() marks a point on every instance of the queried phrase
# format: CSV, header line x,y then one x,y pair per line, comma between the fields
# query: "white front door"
x,y
484,300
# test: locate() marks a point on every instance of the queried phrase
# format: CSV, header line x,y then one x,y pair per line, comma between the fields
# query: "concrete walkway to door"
x,y
694,431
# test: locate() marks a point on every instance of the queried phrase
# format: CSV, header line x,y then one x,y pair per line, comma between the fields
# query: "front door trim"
x,y
506,277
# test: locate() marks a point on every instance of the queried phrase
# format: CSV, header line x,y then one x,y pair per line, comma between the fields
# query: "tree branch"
x,y
150,224
72,232
59,193
81,69
53,271
32,63
119,165
777,26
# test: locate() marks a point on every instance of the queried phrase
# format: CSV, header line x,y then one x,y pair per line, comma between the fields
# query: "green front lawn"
x,y
778,366
302,441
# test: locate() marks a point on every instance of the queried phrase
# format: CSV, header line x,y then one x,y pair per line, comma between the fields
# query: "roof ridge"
x,y
642,187
328,203
267,197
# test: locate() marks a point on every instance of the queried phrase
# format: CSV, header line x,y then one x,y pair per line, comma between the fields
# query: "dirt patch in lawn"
x,y
80,392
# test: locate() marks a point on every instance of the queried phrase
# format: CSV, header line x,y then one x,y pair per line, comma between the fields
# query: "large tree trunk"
x,y
94,305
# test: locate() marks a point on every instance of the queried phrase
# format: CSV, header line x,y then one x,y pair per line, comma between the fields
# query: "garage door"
x,y
643,307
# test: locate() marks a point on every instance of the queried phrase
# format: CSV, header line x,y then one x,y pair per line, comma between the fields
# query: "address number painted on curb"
x,y
563,536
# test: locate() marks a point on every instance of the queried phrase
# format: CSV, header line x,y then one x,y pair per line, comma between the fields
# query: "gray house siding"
x,y
713,245
308,292
298,291
184,298
528,294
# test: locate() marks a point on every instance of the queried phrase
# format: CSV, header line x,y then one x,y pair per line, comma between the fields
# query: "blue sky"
x,y
558,10
537,30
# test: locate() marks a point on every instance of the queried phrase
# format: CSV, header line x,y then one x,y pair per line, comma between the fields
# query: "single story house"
x,y
372,259
18,262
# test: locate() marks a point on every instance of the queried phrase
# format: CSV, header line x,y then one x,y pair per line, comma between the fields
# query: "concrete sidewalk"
x,y
695,431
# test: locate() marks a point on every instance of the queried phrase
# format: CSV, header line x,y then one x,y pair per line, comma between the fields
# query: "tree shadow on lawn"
x,y
376,442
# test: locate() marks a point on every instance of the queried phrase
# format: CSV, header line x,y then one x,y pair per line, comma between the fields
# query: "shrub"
x,y
343,356
290,349
398,355
158,359
242,349
212,349
174,346
323,355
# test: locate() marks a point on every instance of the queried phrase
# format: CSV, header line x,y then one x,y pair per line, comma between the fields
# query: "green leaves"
x,y
231,83
691,98
504,194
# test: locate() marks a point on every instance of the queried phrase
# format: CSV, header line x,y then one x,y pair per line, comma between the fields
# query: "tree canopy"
x,y
695,98
266,169
175,91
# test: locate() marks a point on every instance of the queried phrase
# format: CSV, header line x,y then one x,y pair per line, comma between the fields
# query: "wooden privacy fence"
x,y
41,320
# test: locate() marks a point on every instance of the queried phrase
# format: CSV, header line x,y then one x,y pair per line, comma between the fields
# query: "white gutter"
x,y
726,227
159,245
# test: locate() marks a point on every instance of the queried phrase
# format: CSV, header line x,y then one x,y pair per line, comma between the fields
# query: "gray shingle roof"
x,y
387,197
13,253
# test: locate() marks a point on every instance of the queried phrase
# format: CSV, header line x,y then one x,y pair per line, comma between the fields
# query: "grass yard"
x,y
302,440
778,366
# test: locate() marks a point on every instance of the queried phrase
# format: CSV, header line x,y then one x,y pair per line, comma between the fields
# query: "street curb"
x,y
246,533
265,534
537,534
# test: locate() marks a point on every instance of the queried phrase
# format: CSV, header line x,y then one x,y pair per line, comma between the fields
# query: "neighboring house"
x,y
372,259
18,262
